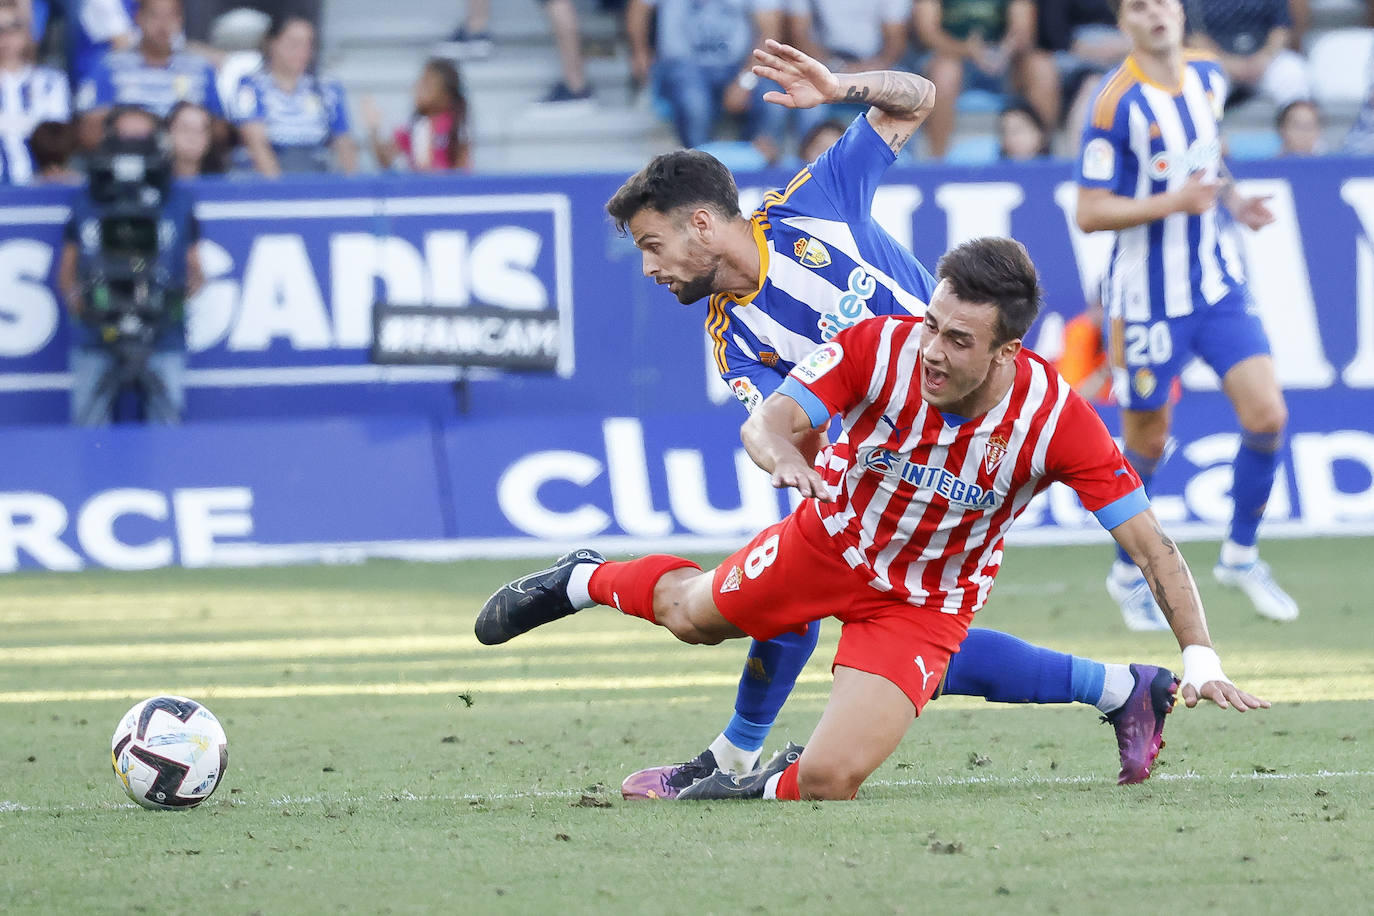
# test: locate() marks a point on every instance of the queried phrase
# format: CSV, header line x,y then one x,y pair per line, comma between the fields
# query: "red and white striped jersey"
x,y
925,499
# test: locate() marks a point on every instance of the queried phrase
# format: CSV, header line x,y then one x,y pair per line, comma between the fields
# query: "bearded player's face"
x,y
674,252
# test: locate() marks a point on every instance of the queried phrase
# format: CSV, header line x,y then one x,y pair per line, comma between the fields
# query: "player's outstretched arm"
x,y
1172,583
770,436
900,101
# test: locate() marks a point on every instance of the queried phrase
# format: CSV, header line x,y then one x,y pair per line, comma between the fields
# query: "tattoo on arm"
x,y
904,96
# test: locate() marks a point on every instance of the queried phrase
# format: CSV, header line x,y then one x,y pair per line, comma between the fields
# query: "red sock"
x,y
629,586
787,784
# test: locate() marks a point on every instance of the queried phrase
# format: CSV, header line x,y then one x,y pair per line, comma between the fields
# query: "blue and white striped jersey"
x,y
826,265
28,97
1144,139
126,78
311,114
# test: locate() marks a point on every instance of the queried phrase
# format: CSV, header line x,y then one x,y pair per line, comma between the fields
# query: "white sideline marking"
x,y
939,782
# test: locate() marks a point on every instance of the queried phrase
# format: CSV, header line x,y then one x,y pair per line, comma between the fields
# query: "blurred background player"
x,y
841,269
1176,284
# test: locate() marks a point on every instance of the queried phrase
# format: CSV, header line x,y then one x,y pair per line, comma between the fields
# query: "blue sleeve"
x,y
336,109
1105,159
850,170
212,102
815,408
247,102
1123,509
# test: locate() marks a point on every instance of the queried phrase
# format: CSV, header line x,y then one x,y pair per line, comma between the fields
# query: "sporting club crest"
x,y
732,581
993,454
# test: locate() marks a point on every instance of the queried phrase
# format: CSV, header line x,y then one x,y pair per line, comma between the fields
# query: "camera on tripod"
x,y
129,294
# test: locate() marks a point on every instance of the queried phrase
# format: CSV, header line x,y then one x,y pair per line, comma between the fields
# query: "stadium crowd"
x,y
1033,63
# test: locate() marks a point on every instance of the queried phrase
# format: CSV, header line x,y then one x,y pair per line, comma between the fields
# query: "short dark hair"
x,y
52,143
998,271
681,178
1282,117
1115,7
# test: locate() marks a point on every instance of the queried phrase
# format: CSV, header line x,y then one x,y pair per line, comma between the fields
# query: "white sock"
x,y
1233,554
734,759
1125,573
770,788
577,585
1116,687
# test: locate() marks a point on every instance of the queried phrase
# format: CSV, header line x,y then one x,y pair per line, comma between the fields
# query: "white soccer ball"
x,y
169,752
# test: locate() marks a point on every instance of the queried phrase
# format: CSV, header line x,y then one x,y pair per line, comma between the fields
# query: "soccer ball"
x,y
169,752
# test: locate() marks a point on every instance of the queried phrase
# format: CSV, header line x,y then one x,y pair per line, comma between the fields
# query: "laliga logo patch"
x,y
994,452
819,362
811,253
1144,382
746,393
1099,159
732,581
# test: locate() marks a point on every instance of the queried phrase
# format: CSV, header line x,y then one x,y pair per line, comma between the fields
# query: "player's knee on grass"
x,y
829,778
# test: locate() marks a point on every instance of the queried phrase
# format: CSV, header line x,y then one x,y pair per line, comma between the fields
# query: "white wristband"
x,y
1200,665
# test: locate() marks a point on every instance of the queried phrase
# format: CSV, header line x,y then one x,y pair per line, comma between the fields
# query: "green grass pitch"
x,y
381,761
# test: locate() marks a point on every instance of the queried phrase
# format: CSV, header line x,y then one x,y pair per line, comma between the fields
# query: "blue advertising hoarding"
x,y
632,441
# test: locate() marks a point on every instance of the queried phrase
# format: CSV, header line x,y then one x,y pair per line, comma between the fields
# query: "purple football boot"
x,y
1139,723
667,782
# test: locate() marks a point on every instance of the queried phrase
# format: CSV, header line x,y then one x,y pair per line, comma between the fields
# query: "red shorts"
x,y
791,574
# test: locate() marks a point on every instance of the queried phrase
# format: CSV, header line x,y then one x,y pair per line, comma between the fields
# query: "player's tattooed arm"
x,y
900,102
1168,575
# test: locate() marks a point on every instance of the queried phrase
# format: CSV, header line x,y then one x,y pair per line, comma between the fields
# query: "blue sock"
x,y
1253,477
1003,669
1145,468
769,676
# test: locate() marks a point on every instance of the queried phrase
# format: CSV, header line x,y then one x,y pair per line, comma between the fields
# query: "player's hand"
x,y
805,81
1224,694
1197,195
1254,212
804,477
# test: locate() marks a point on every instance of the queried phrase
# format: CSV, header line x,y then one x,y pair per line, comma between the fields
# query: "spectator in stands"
x,y
1021,135
1082,38
291,120
702,62
29,95
100,369
1251,39
52,145
191,138
1360,140
567,35
849,36
437,138
820,138
472,39
1299,125
983,44
153,75
94,28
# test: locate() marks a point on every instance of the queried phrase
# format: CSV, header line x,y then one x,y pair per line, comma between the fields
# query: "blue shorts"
x,y
1146,357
